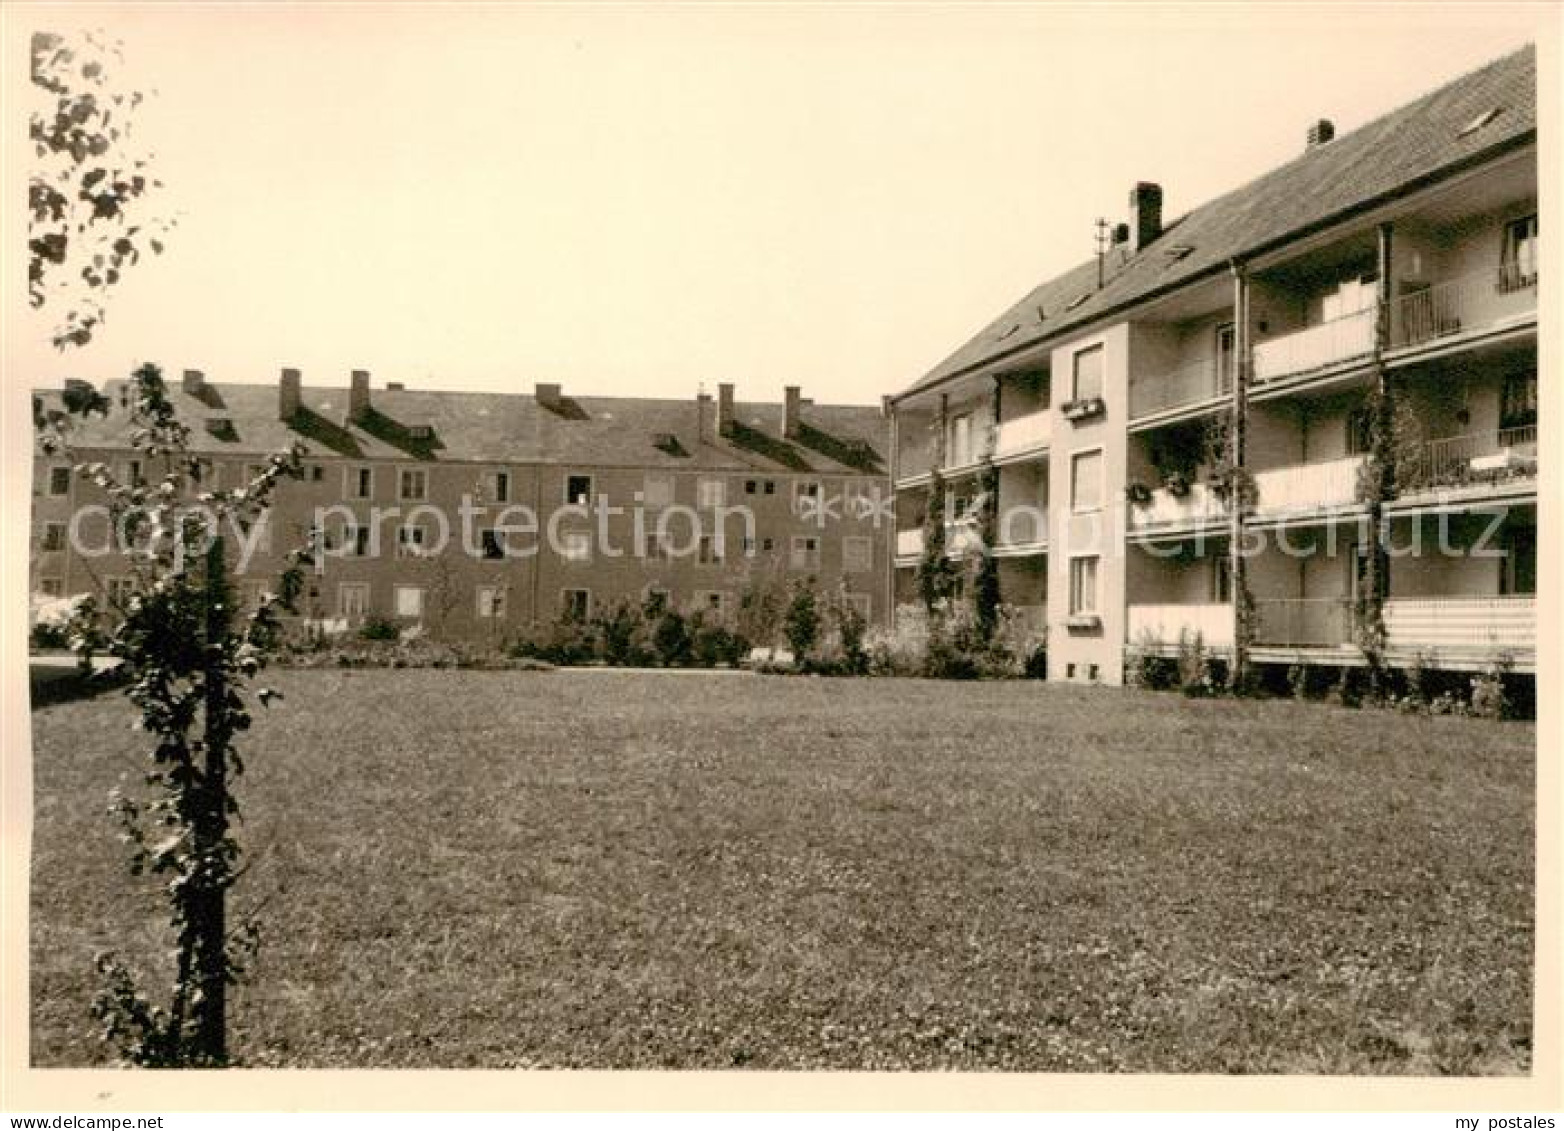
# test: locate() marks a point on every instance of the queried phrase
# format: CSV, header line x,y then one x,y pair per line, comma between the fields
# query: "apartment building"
x,y
475,515
1394,265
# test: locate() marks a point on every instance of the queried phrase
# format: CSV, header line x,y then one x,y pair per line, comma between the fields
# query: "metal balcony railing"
x,y
1306,622
1190,384
1454,461
1476,301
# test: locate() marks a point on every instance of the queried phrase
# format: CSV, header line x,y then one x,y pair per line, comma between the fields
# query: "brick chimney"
x,y
358,395
548,396
1319,133
289,399
705,423
193,381
725,409
1145,214
792,402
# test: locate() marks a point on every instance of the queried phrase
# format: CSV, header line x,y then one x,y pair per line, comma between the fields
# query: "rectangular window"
x,y
1083,586
409,600
658,491
59,481
806,553
859,603
751,486
414,483
410,542
53,537
1086,378
493,549
710,601
361,482
491,602
1086,481
361,544
960,440
317,473
119,590
771,487
857,554
805,490
1519,266
1518,401
1221,579
710,552
578,490
1360,431
51,587
575,604
1518,576
353,600
654,547
133,471
710,493
501,486
576,546
1226,355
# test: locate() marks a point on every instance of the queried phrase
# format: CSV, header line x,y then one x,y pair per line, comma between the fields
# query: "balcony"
x,y
1163,625
1453,628
1197,506
1319,347
1474,460
1483,300
1308,622
1024,434
1307,488
1190,385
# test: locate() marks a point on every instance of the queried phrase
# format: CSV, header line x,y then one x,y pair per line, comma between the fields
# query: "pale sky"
x,y
637,201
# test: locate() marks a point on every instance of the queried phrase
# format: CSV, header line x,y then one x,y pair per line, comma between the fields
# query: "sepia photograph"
x,y
880,539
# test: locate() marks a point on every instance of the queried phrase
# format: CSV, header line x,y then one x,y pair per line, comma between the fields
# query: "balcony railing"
x,y
1457,626
1308,622
1197,506
1192,384
1477,301
1162,625
1478,457
1318,347
1307,487
909,543
1023,434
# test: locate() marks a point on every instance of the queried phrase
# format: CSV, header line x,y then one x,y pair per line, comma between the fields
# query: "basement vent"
x,y
1480,121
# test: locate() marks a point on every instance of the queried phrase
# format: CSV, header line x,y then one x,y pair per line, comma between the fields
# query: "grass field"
x,y
619,869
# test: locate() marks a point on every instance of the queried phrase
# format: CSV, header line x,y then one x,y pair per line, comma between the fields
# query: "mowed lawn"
x,y
640,870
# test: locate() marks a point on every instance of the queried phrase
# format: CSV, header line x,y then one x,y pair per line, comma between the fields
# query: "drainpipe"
x,y
1243,612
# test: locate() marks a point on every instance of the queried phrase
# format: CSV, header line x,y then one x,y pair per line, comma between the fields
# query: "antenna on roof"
x,y
1104,238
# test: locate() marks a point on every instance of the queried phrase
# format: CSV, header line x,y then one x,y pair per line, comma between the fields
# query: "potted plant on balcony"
x,y
1137,494
1083,409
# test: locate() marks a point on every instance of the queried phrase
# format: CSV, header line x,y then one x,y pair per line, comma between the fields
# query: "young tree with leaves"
x,y
191,662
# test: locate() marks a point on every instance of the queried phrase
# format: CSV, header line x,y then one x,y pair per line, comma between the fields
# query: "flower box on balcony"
x,y
1083,621
1084,409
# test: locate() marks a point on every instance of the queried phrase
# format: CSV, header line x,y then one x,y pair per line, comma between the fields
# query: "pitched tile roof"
x,y
513,428
1420,142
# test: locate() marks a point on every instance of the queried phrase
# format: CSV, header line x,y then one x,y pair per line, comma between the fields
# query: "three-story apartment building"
x,y
477,514
1376,296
